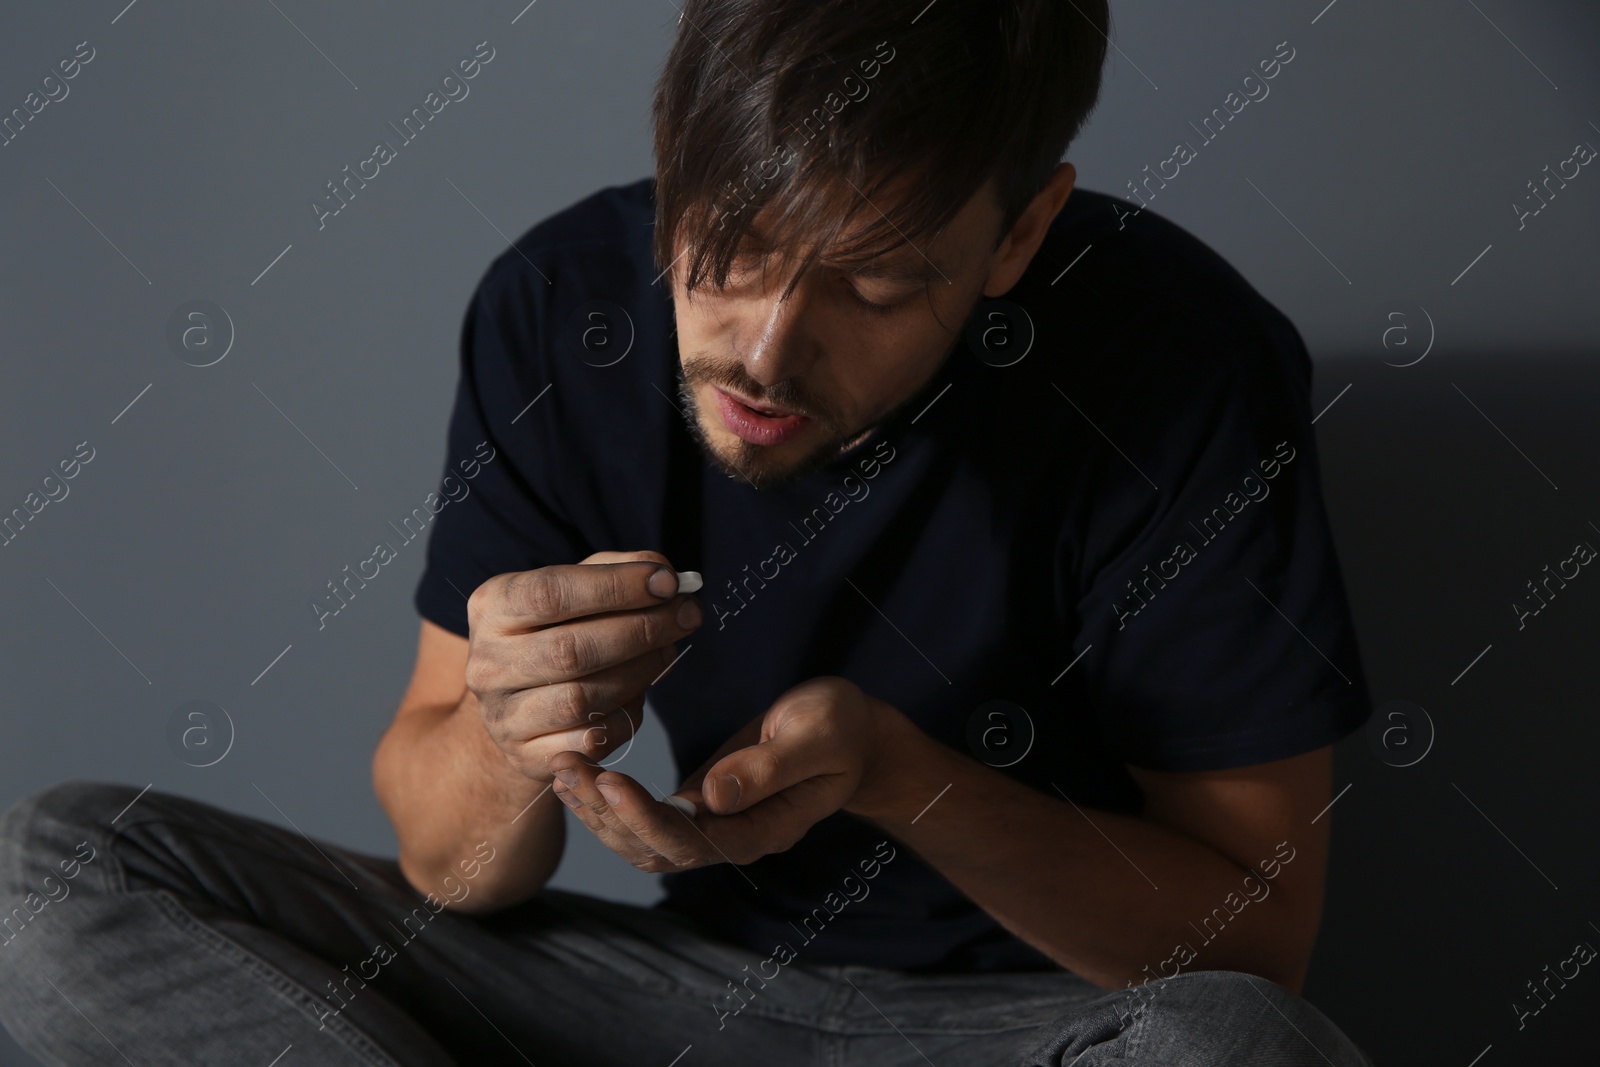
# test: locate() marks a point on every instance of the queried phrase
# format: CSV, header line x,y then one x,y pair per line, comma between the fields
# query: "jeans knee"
x,y
48,836
1231,1017
53,846
75,802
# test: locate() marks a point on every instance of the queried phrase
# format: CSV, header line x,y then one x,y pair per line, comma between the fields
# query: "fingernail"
x,y
568,778
569,799
610,792
663,583
689,614
728,792
683,804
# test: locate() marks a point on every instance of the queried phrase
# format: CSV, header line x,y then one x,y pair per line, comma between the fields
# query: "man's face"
x,y
774,388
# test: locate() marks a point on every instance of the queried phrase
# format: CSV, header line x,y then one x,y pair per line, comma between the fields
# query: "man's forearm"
x,y
446,788
1109,896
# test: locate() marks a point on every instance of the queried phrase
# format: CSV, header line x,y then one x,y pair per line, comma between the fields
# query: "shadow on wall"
x,y
1461,491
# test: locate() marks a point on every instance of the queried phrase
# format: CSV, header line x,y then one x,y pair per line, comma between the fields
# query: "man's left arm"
x,y
1224,869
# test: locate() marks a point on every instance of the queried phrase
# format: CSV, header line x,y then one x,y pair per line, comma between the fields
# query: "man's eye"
x,y
871,305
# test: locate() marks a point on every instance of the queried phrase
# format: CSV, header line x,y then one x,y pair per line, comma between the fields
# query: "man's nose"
x,y
782,347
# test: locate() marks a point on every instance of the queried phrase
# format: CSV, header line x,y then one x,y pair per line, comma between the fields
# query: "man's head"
x,y
818,157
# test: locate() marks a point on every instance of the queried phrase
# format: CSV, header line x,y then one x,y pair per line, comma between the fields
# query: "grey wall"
x,y
182,164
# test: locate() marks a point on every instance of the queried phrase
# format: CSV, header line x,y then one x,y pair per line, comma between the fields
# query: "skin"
x,y
558,660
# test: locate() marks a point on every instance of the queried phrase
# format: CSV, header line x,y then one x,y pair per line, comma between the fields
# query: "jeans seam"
x,y
1130,1049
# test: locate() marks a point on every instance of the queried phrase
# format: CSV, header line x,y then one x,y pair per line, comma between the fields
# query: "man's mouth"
x,y
762,409
759,424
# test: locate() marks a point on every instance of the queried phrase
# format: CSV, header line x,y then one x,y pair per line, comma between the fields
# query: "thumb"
x,y
747,776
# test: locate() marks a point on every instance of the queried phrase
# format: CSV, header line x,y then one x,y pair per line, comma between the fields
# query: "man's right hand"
x,y
560,657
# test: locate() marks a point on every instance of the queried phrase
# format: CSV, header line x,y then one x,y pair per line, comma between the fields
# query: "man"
x,y
1006,704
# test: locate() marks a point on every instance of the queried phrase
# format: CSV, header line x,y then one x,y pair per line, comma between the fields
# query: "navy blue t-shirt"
x,y
1109,551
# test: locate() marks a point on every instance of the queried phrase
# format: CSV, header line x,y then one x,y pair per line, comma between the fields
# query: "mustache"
x,y
732,378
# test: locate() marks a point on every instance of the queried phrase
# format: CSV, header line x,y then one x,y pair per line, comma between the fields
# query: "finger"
x,y
529,712
619,557
612,734
578,775
601,677
749,775
593,643
748,734
575,778
629,850
606,736
623,557
775,824
654,830
681,841
524,600
666,831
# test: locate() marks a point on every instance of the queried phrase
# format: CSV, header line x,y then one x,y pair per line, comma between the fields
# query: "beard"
x,y
759,465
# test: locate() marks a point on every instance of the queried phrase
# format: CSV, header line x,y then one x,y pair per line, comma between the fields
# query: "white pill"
x,y
689,581
682,804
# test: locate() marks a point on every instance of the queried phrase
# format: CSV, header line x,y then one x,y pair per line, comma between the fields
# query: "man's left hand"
x,y
822,745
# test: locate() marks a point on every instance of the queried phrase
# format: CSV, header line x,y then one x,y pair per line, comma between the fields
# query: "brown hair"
x,y
816,107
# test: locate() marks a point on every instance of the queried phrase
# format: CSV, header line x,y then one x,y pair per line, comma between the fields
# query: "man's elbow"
x,y
384,774
450,889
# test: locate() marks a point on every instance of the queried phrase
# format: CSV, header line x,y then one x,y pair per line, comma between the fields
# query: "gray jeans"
x,y
174,932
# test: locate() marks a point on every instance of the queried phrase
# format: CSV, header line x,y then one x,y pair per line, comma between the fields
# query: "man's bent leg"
x,y
174,932
185,934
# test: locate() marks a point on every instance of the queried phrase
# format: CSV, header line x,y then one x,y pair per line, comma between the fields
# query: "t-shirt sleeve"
x,y
1210,590
498,506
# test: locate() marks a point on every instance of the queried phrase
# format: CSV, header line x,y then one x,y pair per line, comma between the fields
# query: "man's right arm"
x,y
557,659
447,786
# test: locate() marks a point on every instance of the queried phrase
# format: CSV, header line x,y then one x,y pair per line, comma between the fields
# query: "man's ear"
x,y
1017,249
